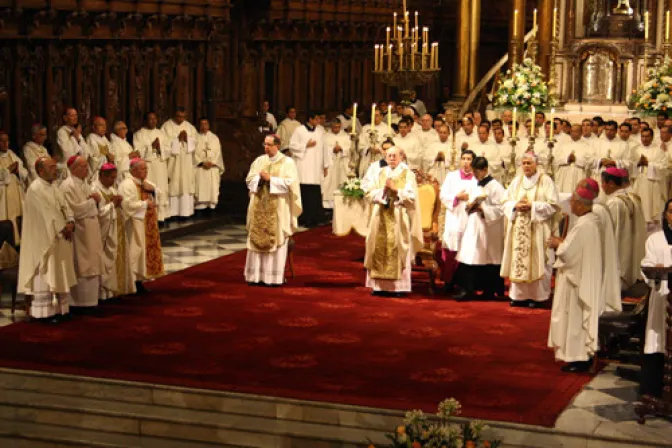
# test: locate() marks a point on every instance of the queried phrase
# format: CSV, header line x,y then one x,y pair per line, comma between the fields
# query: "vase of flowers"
x,y
352,188
655,94
523,87
418,431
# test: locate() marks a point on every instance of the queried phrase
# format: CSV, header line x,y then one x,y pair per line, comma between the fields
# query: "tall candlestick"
x,y
388,36
373,114
375,58
514,123
413,57
534,22
667,26
381,66
401,58
389,120
424,55
552,124
406,24
394,24
555,23
646,25
404,10
416,25
354,119
515,23
533,121
436,64
389,58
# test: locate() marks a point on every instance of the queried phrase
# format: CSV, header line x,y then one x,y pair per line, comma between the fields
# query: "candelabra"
x,y
551,67
512,160
453,154
404,62
354,155
551,144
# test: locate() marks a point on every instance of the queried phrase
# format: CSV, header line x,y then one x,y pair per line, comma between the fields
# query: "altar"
x,y
350,214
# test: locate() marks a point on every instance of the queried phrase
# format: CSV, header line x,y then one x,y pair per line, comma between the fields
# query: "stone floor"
x,y
605,407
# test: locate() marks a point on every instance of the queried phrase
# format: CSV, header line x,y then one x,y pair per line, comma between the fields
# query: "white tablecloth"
x,y
350,214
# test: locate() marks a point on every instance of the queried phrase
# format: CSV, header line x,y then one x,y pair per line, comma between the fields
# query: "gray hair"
x,y
584,201
118,125
34,129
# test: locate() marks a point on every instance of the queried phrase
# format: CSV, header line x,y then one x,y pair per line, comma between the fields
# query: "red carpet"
x,y
322,337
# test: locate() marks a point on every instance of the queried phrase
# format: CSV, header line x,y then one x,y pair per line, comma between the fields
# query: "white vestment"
x,y
99,148
426,138
412,149
651,181
568,175
617,150
157,163
276,204
492,152
309,160
456,213
70,145
121,151
462,137
180,167
575,313
540,148
658,252
373,171
346,123
12,187
32,152
46,266
208,149
611,285
438,169
286,130
134,210
336,164
367,149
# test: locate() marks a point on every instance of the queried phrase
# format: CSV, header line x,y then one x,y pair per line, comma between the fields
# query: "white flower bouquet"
x,y
655,94
352,188
523,87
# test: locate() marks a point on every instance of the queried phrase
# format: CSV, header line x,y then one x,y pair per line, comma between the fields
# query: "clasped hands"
x,y
68,231
554,241
389,186
523,205
265,176
643,161
182,136
462,196
607,163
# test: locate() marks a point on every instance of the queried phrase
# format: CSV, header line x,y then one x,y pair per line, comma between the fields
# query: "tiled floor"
x,y
605,407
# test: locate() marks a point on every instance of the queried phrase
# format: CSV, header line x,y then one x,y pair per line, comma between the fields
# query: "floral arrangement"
x,y
523,87
655,94
352,188
418,432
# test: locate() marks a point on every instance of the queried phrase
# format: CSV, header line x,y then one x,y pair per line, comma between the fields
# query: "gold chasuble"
x,y
395,228
124,284
154,255
525,255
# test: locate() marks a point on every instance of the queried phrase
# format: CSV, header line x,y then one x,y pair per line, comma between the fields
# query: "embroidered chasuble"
x,y
116,246
153,252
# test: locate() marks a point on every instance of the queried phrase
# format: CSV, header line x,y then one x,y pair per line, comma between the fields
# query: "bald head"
x,y
79,168
576,133
426,122
139,169
99,126
46,169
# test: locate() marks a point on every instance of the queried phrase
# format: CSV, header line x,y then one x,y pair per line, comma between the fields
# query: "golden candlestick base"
x,y
623,8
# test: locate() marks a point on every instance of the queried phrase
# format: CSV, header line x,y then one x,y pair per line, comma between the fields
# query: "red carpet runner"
x,y
322,337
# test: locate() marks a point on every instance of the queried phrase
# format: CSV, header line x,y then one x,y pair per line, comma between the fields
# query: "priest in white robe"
x,y
117,273
181,136
69,137
122,151
140,209
370,139
100,149
427,134
83,202
407,142
348,121
454,196
275,205
13,182
287,127
480,254
336,147
46,266
209,167
578,288
373,172
612,151
486,147
503,145
395,230
658,254
34,150
540,148
467,136
629,224
651,181
572,160
306,146
438,154
152,145
531,203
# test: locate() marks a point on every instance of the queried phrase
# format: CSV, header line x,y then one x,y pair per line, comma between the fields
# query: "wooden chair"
x,y
9,277
430,207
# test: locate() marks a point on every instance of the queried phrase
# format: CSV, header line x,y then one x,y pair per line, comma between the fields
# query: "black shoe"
x,y
535,304
65,317
576,367
519,303
140,289
378,293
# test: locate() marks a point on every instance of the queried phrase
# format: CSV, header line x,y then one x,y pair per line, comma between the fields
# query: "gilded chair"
x,y
430,207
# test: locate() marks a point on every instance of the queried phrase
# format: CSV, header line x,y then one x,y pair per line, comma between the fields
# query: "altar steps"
x,y
40,409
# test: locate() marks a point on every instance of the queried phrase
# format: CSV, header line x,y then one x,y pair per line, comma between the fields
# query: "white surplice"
x,y
286,130
336,164
438,169
309,161
180,167
456,214
568,175
611,284
346,123
483,239
575,313
373,171
658,252
651,181
412,149
157,163
427,137
12,187
617,150
32,152
70,145
462,137
99,148
46,264
208,149
492,152
121,151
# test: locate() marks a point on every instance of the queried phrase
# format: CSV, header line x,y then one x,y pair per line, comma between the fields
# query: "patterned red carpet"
x,y
322,337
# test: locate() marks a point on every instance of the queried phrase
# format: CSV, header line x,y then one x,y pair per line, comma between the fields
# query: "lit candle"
x,y
404,6
667,26
401,58
514,123
646,26
416,25
354,119
373,114
389,119
533,121
552,124
425,34
400,35
375,58
394,24
424,55
412,56
555,23
431,59
389,59
436,65
534,22
381,66
515,23
406,27
388,36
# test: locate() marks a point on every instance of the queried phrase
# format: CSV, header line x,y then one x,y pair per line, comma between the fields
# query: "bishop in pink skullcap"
x,y
613,171
72,160
623,172
135,161
586,193
108,167
592,184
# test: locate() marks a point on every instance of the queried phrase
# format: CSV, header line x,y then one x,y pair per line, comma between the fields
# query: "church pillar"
x,y
545,34
474,40
517,35
462,68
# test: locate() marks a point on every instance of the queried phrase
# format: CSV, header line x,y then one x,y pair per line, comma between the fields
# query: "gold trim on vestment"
x,y
264,225
524,232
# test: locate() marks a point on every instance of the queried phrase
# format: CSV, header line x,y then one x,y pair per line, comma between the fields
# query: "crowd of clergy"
x,y
87,215
577,199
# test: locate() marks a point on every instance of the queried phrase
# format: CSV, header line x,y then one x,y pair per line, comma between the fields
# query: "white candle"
x,y
555,23
424,56
412,56
388,36
375,57
646,25
354,119
436,65
389,59
513,128
373,114
401,58
406,25
389,119
416,26
515,23
534,22
552,113
533,121
667,26
394,24
381,66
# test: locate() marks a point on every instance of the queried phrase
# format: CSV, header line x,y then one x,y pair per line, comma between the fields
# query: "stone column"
x,y
545,34
517,36
474,40
462,67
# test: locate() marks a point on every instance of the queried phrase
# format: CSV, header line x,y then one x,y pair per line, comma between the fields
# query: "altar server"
x,y
572,160
612,151
153,147
466,137
395,230
46,267
287,127
576,303
530,205
651,181
480,254
34,150
306,146
83,202
437,155
485,147
13,182
275,205
454,196
209,167
181,136
117,273
407,142
139,204
69,137
427,134
336,162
